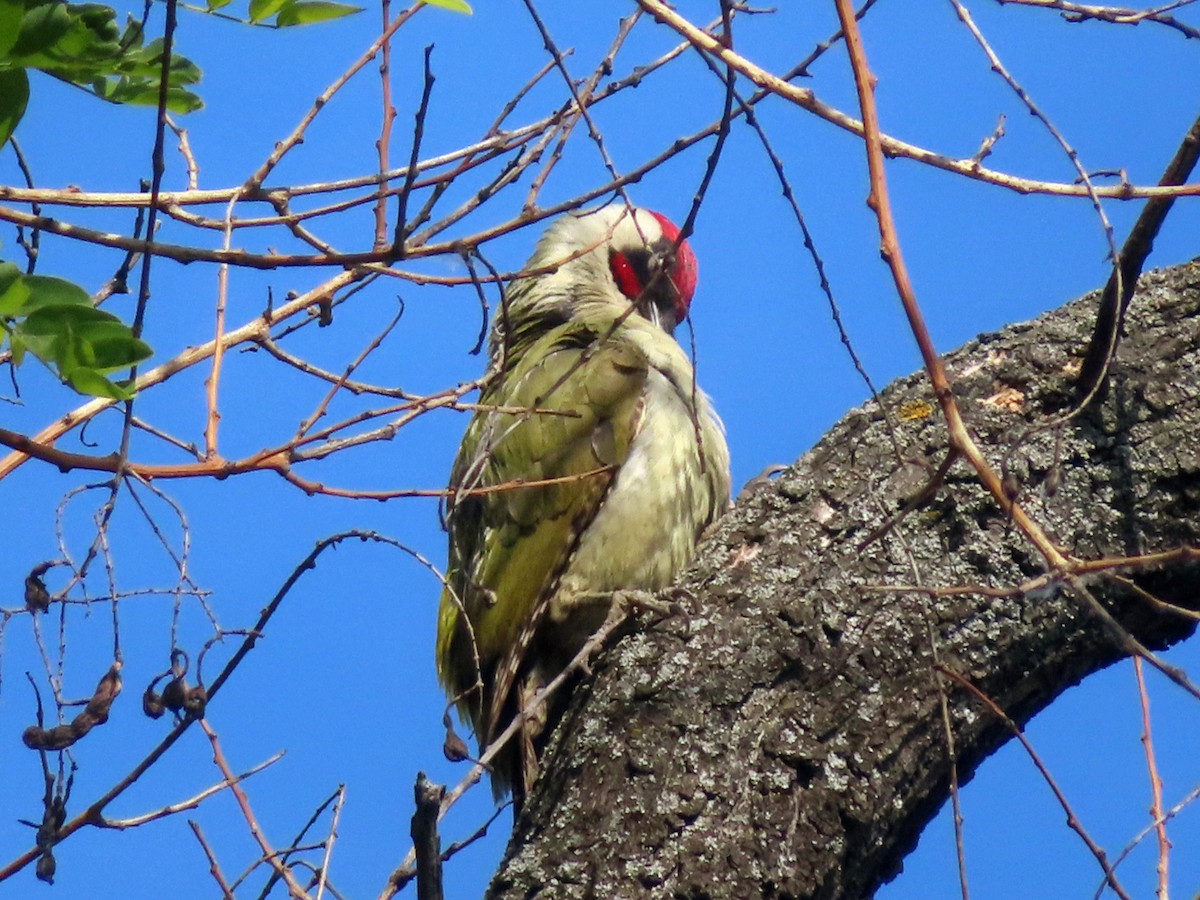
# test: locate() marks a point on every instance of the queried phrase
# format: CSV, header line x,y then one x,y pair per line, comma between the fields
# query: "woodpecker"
x,y
592,466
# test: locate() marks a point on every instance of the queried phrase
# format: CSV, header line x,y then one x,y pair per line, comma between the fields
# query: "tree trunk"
x,y
784,737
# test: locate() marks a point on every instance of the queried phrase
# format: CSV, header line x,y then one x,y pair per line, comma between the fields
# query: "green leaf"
x,y
17,346
89,381
111,346
144,92
81,44
11,14
44,346
264,9
83,344
45,290
55,319
183,71
133,35
14,96
459,6
41,27
13,290
218,4
306,12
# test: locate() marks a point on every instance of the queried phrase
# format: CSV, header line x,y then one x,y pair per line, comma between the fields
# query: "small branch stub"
x,y
428,798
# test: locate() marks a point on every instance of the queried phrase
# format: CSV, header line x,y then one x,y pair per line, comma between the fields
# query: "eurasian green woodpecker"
x,y
614,464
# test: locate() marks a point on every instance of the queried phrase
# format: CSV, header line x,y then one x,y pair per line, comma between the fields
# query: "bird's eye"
x,y
624,275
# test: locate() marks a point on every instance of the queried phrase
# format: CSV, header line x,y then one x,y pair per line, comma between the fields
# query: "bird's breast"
x,y
646,529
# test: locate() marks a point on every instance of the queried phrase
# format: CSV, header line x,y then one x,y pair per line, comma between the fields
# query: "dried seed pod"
x,y
60,737
37,598
106,692
174,695
455,748
195,701
152,703
46,866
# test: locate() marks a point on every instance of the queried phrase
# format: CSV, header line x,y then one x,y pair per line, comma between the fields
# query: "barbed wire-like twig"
x,y
1192,796
1117,15
1118,291
214,867
1156,785
192,802
243,801
1073,821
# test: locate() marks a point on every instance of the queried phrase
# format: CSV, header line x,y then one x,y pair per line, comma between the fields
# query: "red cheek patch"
x,y
623,274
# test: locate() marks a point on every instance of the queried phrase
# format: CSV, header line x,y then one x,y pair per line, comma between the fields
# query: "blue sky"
x,y
344,678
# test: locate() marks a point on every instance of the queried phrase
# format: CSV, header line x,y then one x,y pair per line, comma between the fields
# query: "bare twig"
x,y
425,838
1082,12
1120,287
191,803
403,229
1073,822
1156,785
214,867
1192,796
294,887
386,120
330,838
254,182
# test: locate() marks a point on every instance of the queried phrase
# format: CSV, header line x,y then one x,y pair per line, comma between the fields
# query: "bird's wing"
x,y
510,546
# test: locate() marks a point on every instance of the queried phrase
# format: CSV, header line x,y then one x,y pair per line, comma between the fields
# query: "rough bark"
x,y
784,737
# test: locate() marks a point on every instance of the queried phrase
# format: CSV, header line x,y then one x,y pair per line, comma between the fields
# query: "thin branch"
x,y
191,803
1192,796
294,888
579,663
880,202
1082,12
403,230
254,182
295,844
1156,785
1073,822
330,838
1121,285
214,867
252,331
893,147
386,120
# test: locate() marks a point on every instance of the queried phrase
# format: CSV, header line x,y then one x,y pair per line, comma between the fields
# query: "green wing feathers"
x,y
568,409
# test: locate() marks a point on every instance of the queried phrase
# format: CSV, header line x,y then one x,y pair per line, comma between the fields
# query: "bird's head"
x,y
614,255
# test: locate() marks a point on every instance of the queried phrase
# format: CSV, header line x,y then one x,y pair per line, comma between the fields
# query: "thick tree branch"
x,y
785,738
